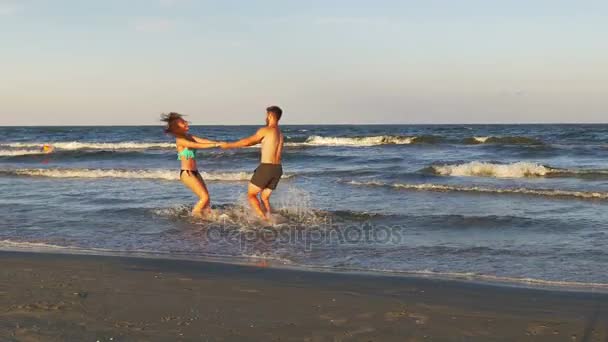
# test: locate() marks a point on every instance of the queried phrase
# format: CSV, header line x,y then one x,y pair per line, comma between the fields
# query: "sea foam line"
x,y
9,244
507,280
506,140
484,169
76,145
316,140
468,276
513,170
15,153
120,173
313,140
479,189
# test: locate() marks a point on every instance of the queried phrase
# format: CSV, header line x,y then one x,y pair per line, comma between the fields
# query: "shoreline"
x,y
252,261
55,297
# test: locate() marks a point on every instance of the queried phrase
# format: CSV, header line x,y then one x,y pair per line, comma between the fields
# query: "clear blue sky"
x,y
324,61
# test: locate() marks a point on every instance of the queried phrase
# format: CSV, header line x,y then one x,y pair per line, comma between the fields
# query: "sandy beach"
x,y
52,297
177,170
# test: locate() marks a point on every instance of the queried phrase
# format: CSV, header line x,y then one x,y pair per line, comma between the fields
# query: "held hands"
x,y
220,144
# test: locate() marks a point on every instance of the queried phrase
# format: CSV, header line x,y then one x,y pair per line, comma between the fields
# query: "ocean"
x,y
522,204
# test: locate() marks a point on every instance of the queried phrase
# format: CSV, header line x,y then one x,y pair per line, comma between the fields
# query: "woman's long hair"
x,y
171,119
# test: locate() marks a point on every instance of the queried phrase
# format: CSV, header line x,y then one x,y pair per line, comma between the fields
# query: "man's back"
x,y
272,145
267,175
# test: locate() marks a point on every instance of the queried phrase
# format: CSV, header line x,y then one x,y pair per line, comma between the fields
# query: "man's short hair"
x,y
278,112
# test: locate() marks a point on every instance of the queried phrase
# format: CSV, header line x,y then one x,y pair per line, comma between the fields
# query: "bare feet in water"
x,y
201,213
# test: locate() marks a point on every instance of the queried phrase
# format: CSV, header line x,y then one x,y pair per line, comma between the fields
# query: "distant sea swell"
x,y
313,140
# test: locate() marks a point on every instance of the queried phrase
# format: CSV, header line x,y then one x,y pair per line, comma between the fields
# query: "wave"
x,y
484,169
579,173
316,140
512,140
125,173
40,247
574,285
313,140
556,193
36,156
29,245
75,145
513,170
18,153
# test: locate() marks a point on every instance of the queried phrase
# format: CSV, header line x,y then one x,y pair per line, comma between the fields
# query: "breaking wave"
x,y
484,169
313,140
124,173
514,140
513,170
17,153
75,145
316,140
557,193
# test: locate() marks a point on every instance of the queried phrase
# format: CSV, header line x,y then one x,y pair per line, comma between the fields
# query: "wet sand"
x,y
50,297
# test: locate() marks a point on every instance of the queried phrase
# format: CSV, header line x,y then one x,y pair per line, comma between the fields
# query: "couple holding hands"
x,y
265,178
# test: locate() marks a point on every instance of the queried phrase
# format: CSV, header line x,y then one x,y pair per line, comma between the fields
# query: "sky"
x,y
123,62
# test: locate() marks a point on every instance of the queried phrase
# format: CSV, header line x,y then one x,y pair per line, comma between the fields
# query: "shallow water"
x,y
506,202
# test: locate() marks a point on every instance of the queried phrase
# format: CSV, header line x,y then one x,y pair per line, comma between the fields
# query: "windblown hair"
x,y
171,120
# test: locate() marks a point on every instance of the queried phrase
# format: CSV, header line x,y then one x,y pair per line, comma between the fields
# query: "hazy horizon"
x,y
333,124
324,62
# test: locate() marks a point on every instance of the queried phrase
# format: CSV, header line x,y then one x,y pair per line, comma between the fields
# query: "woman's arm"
x,y
202,140
249,141
191,144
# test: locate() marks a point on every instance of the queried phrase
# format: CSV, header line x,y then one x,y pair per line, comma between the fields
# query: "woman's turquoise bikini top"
x,y
186,154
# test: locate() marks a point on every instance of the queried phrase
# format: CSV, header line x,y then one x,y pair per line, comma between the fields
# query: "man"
x,y
269,172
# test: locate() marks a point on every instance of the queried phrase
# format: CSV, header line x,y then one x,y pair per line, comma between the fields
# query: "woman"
x,y
186,145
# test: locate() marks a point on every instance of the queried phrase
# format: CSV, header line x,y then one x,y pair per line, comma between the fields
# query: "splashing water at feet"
x,y
293,207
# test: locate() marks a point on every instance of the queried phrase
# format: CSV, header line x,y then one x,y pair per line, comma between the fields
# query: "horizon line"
x,y
322,124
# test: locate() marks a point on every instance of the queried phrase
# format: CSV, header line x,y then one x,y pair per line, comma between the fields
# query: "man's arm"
x,y
249,141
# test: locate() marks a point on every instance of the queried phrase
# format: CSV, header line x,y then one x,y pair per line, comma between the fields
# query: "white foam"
x,y
120,173
481,139
317,140
9,245
13,153
512,280
480,189
76,145
483,169
38,246
176,211
293,206
513,170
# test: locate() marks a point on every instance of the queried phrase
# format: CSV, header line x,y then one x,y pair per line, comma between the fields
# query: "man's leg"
x,y
252,196
266,200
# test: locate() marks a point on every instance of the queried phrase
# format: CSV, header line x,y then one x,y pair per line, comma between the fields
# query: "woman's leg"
x,y
195,182
207,205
